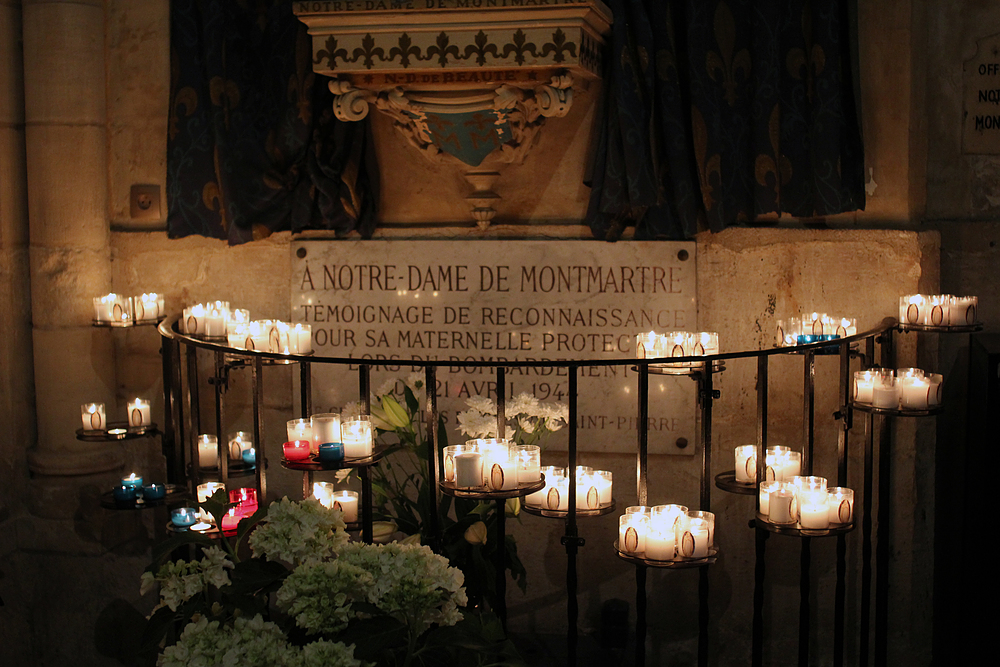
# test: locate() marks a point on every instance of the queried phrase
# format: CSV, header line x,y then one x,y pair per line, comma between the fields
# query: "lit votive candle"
x,y
134,482
587,495
705,343
765,494
249,456
346,502
238,319
840,505
93,416
963,310
660,541
123,493
746,464
296,450
331,452
695,541
632,531
814,516
154,491
670,517
299,429
231,519
357,437
775,459
499,467
863,383
238,442
538,498
914,393
323,492
529,464
138,413
184,517
603,480
780,505
938,311
646,345
208,450
709,519
324,427
912,309
300,339
113,309
245,499
885,393
194,320
208,489
468,470
449,460
148,307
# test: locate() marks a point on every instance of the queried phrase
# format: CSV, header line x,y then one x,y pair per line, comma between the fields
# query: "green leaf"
x,y
255,575
394,412
374,638
411,401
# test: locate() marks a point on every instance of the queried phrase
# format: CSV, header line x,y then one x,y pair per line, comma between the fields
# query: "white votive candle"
x,y
840,505
766,488
238,442
695,540
780,506
138,413
963,310
346,502
912,309
208,451
298,429
914,393
323,492
746,464
660,543
814,516
529,464
323,428
468,470
357,437
885,394
93,416
632,530
935,392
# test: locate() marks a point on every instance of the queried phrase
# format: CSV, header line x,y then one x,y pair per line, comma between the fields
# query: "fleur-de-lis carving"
x,y
443,49
722,67
481,48
519,47
330,53
777,164
559,46
369,51
707,166
404,50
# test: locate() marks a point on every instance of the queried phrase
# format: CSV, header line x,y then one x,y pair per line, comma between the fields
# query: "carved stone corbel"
x,y
350,103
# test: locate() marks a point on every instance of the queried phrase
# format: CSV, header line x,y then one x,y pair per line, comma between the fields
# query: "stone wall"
x,y
746,278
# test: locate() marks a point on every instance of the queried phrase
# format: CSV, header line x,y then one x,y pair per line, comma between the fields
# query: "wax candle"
x,y
238,319
587,495
134,482
499,468
323,427
148,307
256,339
138,413
695,541
300,339
357,437
936,390
912,309
937,311
208,489
346,502
840,505
646,345
539,498
603,480
194,319
914,393
449,460
208,450
331,452
863,383
468,470
792,466
781,505
632,530
245,499
902,373
963,310
239,441
231,519
660,542
774,462
676,344
113,309
766,488
123,493
183,517
557,495
814,516
296,450
885,394
705,343
93,416
238,336
323,492
299,429
249,456
746,464
846,327
154,491
669,517
529,464
709,519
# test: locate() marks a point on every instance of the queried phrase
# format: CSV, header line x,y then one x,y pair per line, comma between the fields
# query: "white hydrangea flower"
x,y
523,404
477,425
482,405
297,532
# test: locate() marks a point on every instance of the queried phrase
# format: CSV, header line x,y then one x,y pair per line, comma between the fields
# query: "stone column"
x,y
70,240
16,380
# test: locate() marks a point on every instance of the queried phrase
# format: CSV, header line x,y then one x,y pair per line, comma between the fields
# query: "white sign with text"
x,y
460,301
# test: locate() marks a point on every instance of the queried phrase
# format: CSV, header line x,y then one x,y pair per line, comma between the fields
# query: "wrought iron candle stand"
x,y
183,423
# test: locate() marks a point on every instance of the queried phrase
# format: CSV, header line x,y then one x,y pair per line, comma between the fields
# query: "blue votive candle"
x,y
250,456
123,493
184,517
331,452
154,491
134,482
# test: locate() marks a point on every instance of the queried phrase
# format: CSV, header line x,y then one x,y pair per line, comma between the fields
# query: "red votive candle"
x,y
296,450
245,499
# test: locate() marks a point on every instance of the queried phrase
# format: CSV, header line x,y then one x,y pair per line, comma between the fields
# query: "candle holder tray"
x,y
950,328
795,530
174,495
898,412
684,368
727,482
481,493
564,514
211,531
115,431
313,464
125,325
679,563
235,469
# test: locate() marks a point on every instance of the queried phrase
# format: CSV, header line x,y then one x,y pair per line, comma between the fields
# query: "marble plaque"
x,y
505,300
981,78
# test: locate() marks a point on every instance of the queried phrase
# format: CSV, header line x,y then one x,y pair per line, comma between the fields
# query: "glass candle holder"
x,y
814,515
709,518
331,452
238,336
249,456
912,309
775,459
840,505
184,517
936,391
245,499
676,344
297,450
193,320
148,307
138,413
809,490
746,464
914,393
845,327
113,309
696,538
300,339
964,310
885,393
299,429
781,504
632,530
468,469
239,441
238,319
603,480
705,343
499,466
588,497
154,491
208,489
529,464
646,345
323,492
134,482
208,450
93,417
256,339
357,437
661,540
668,517
765,495
346,502
908,373
123,493
325,427
540,498
938,310
449,459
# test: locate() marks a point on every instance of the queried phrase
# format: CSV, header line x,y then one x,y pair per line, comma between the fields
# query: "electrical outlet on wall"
x,y
144,202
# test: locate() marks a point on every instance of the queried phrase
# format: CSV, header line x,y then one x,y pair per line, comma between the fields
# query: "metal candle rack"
x,y
183,423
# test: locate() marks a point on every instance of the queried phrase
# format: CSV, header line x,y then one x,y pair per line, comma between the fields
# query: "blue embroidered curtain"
x,y
253,146
718,111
